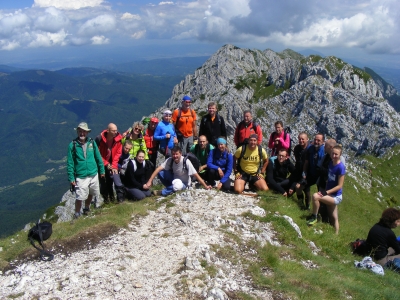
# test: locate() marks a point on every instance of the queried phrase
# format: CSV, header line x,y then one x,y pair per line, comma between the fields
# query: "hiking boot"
x,y
77,215
86,211
156,193
312,221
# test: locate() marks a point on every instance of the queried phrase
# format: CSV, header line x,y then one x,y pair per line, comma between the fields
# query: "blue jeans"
x,y
166,177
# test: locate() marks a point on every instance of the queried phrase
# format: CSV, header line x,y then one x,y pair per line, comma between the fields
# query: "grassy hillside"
x,y
39,110
330,275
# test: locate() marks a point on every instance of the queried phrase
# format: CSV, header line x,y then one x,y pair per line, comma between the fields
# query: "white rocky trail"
x,y
160,256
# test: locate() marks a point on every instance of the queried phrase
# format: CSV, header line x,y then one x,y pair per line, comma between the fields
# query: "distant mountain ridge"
x,y
39,110
311,94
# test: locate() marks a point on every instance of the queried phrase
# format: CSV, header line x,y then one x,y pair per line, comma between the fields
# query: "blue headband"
x,y
221,141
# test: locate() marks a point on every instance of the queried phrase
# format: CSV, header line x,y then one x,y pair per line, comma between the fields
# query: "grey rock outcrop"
x,y
310,94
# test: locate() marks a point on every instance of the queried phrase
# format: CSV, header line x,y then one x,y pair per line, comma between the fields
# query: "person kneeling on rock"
x,y
174,175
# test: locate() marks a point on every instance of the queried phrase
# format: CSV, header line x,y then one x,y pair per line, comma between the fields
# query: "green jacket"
x,y
138,144
79,166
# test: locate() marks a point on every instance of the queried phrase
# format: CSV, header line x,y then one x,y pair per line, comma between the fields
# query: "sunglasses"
x,y
136,128
188,102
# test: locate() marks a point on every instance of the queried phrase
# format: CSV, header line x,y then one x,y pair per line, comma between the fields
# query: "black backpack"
x,y
242,154
41,232
359,247
193,159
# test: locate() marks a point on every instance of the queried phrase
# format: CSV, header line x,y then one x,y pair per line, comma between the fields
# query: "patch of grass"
x,y
357,213
362,74
69,237
202,97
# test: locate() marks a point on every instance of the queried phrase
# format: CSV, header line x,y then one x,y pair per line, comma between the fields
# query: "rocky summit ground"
x,y
176,252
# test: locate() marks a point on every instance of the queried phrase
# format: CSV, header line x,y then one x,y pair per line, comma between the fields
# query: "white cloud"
x,y
8,45
47,39
372,25
138,35
129,16
99,40
67,4
12,23
52,20
97,25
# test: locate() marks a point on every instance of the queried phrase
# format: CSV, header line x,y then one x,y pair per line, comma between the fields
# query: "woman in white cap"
x,y
165,134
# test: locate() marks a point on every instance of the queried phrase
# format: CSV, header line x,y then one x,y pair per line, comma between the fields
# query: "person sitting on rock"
x,y
332,196
84,162
135,135
202,149
279,139
278,171
174,175
212,125
381,241
137,173
109,143
246,128
250,163
165,134
220,165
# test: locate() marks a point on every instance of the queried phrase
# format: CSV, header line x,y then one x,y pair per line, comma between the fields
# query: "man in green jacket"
x,y
83,164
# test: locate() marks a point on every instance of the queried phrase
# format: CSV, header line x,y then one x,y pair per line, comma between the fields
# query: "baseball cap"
x,y
186,98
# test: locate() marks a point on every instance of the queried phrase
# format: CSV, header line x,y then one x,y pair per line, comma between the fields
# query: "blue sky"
x,y
119,30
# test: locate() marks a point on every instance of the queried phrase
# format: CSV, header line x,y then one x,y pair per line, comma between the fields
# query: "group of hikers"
x,y
127,162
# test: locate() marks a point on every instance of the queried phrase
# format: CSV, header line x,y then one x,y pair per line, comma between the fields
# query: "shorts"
x,y
338,199
87,186
249,178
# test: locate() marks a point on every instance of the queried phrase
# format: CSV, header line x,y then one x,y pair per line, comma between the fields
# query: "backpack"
x,y
41,232
204,119
74,146
286,131
242,154
180,112
193,159
359,247
179,135
246,141
197,147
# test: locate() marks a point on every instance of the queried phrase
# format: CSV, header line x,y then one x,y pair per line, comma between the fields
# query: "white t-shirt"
x,y
179,171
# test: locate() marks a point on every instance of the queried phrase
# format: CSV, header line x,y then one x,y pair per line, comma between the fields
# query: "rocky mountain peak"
x,y
311,94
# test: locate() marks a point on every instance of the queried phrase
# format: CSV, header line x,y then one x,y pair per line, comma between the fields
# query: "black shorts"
x,y
249,178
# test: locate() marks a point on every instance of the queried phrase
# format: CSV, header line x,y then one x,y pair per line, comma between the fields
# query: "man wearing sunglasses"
x,y
184,120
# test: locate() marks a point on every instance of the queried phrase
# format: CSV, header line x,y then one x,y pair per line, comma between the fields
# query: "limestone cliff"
x,y
311,94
